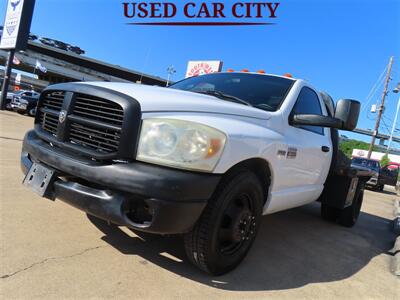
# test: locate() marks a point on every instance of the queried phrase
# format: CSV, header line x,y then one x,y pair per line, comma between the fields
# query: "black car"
x,y
386,175
25,102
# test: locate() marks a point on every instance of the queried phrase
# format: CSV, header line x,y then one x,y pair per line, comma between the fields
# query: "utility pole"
x,y
381,108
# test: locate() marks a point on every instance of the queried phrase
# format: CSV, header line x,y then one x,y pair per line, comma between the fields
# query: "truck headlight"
x,y
181,144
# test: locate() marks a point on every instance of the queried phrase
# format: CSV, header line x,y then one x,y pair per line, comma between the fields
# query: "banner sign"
x,y
17,24
199,13
196,68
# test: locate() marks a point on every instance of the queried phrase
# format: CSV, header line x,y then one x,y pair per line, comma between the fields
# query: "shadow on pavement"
x,y
292,249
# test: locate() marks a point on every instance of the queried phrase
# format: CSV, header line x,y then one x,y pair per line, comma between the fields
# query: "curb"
x,y
395,264
396,213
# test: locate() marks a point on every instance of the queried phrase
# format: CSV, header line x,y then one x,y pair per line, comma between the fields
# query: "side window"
x,y
308,103
28,94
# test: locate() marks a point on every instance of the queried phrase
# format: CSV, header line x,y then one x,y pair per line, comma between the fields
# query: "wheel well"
x,y
259,167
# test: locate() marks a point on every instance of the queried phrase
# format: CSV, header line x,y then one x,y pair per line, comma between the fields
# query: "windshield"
x,y
261,91
371,164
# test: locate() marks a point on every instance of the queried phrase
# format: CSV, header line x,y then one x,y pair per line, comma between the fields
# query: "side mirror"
x,y
316,120
346,117
348,112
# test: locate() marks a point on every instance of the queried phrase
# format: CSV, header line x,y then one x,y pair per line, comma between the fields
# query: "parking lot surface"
x,y
50,250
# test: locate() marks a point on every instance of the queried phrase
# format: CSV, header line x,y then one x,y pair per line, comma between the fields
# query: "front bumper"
x,y
373,181
138,195
19,106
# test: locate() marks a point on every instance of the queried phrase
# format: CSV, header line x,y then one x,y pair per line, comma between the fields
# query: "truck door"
x,y
309,151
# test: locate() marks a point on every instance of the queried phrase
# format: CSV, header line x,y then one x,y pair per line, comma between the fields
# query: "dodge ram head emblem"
x,y
62,116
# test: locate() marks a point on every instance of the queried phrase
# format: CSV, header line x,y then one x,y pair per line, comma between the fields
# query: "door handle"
x,y
325,149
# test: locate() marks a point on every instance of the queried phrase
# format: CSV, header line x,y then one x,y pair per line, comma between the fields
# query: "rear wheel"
x,y
349,216
228,226
329,213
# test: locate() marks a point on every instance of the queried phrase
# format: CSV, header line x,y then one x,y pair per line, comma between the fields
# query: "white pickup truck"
x,y
206,157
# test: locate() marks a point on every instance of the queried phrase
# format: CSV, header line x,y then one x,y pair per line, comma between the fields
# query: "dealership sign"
x,y
199,13
17,24
196,68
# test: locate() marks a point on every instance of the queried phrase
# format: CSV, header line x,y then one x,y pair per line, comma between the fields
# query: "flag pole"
x,y
6,80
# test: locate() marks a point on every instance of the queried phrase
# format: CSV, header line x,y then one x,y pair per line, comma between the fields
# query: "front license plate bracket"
x,y
40,179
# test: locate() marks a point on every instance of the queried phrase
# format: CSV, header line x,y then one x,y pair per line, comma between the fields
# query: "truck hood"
x,y
160,99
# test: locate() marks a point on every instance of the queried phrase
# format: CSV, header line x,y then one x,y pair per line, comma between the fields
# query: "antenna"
x,y
146,60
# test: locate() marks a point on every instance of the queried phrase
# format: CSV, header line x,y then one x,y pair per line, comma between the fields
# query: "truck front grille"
x,y
93,125
97,123
98,109
102,140
50,108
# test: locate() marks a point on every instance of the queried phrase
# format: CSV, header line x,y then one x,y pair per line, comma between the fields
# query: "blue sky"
x,y
339,46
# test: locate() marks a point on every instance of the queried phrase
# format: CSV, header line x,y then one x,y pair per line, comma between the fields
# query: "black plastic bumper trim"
x,y
169,217
175,197
136,177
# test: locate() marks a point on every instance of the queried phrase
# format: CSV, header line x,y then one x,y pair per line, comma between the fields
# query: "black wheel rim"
x,y
238,225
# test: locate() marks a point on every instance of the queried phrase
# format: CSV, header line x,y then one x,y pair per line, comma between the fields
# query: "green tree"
x,y
347,147
385,161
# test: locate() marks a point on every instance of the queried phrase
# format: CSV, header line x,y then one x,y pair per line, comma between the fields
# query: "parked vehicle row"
x,y
22,102
53,43
25,102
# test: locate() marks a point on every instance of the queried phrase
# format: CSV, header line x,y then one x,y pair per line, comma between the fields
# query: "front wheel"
x,y
227,228
32,112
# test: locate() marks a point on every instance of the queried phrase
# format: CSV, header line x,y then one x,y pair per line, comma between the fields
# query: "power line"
x,y
374,89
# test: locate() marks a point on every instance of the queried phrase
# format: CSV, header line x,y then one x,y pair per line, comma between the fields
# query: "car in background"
x,y
372,165
61,45
389,175
381,176
25,102
9,98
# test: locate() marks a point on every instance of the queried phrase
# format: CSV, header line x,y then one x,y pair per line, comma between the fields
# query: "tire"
x,y
21,112
329,213
348,217
32,112
227,228
381,187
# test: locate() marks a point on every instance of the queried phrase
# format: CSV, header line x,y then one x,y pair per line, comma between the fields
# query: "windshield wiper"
x,y
223,96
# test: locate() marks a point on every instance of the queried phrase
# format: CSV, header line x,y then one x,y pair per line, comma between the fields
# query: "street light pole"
x,y
394,126
396,90
170,70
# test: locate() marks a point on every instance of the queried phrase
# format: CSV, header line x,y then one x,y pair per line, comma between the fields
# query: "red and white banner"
x,y
394,159
196,68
